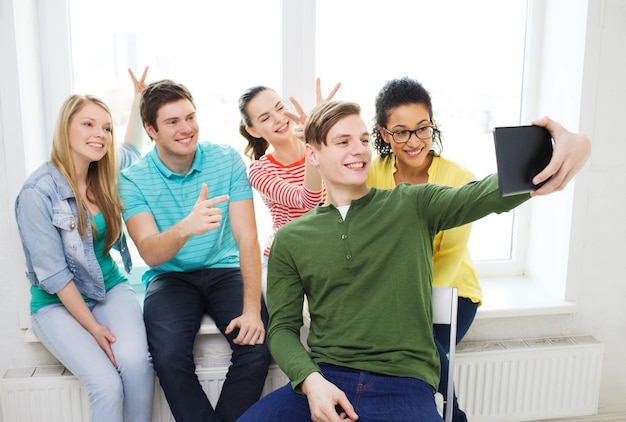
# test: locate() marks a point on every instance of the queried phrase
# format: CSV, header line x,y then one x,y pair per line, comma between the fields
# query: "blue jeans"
x,y
466,313
173,309
122,394
374,397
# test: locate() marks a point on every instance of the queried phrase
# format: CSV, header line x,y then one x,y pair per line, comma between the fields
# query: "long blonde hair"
x,y
101,175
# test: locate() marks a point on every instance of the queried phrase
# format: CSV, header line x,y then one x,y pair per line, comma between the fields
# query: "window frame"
x,y
536,267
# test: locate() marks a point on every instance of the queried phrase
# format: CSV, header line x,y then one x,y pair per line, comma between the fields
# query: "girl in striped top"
x,y
288,185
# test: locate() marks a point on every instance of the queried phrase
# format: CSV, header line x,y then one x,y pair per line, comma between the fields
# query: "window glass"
x,y
469,55
213,48
216,49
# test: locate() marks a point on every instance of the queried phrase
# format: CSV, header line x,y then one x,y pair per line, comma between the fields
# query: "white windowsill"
x,y
502,297
207,327
521,296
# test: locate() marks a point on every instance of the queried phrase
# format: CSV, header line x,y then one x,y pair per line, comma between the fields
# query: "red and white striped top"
x,y
282,190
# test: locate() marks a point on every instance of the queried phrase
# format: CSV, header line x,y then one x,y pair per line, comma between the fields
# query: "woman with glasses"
x,y
408,144
288,185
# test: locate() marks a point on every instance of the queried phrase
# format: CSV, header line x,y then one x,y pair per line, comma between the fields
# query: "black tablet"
x,y
521,153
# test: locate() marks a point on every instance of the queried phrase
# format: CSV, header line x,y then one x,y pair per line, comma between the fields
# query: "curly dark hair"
x,y
395,93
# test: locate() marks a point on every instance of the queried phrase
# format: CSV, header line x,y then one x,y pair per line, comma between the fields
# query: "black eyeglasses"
x,y
403,136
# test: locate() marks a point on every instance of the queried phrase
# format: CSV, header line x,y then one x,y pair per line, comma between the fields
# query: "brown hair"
x,y
101,175
324,117
158,94
256,147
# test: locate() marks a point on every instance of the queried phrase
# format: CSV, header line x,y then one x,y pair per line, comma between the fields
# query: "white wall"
x,y
598,223
14,352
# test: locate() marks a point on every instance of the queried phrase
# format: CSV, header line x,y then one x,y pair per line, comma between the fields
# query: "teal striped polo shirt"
x,y
149,186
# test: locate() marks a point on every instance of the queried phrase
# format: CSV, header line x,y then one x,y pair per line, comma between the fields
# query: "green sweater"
x,y
368,279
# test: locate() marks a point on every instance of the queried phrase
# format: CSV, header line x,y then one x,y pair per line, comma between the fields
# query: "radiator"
x,y
48,393
529,379
496,381
52,394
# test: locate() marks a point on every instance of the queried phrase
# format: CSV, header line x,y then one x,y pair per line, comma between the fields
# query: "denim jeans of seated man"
x,y
374,397
173,309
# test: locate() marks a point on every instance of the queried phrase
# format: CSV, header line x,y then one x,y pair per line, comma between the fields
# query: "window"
x,y
552,268
471,63
211,47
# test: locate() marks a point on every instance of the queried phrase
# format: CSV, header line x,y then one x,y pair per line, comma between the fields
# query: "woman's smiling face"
x,y
268,121
414,152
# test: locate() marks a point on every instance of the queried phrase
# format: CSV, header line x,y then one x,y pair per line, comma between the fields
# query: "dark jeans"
x,y
173,309
376,398
466,314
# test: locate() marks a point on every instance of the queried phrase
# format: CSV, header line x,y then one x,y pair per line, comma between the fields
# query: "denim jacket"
x,y
47,220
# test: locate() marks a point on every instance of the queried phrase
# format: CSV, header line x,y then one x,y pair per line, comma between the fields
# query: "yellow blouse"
x,y
452,263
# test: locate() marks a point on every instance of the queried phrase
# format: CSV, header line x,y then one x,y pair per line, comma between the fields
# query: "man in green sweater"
x,y
364,261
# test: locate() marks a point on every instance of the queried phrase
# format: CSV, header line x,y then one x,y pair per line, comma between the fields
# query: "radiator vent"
x,y
52,394
529,379
47,393
496,381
